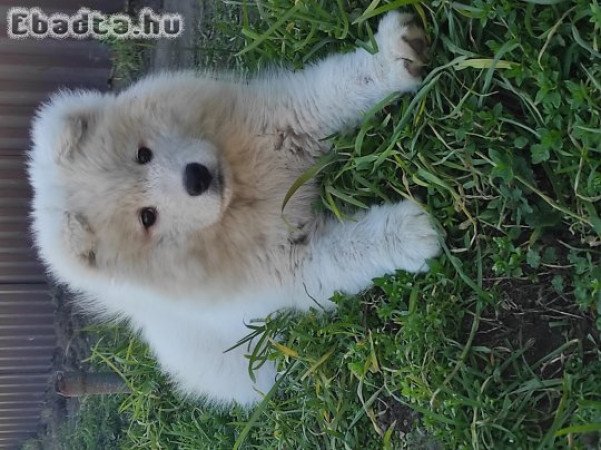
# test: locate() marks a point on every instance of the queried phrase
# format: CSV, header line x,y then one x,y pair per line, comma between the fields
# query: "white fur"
x,y
214,262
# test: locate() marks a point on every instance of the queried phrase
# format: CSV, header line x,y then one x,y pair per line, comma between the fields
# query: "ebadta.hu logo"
x,y
86,23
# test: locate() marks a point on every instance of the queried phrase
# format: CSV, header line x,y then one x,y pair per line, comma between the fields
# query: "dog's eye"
x,y
144,155
148,217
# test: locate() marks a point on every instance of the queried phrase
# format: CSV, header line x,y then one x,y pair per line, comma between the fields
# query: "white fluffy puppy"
x,y
162,205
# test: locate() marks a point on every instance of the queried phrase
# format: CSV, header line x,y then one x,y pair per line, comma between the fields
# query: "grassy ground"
x,y
498,346
98,426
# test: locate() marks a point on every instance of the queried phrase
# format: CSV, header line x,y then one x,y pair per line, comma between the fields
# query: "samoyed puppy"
x,y
162,205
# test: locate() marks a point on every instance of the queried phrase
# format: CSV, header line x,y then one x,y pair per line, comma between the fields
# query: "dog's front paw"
x,y
410,236
402,47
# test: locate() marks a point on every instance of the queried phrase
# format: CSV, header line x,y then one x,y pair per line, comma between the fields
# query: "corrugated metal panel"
x,y
27,344
29,71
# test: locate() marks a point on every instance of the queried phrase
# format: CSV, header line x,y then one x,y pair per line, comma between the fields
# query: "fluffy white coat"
x,y
214,261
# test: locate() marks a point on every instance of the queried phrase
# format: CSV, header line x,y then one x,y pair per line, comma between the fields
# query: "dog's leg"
x,y
337,91
347,256
192,350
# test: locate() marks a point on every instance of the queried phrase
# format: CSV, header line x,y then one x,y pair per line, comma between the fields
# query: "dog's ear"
x,y
74,130
80,238
62,124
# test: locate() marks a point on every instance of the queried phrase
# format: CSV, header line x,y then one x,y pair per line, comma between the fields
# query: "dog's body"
x,y
163,204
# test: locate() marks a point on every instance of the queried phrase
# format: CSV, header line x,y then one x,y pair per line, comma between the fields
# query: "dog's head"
x,y
120,185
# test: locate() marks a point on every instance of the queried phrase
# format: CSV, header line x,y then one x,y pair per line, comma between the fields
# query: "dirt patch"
x,y
394,413
405,422
535,317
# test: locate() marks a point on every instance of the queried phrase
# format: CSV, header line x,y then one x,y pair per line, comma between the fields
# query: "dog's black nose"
x,y
197,179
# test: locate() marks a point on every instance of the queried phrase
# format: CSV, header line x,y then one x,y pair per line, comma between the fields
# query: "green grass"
x,y
97,426
498,346
127,57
